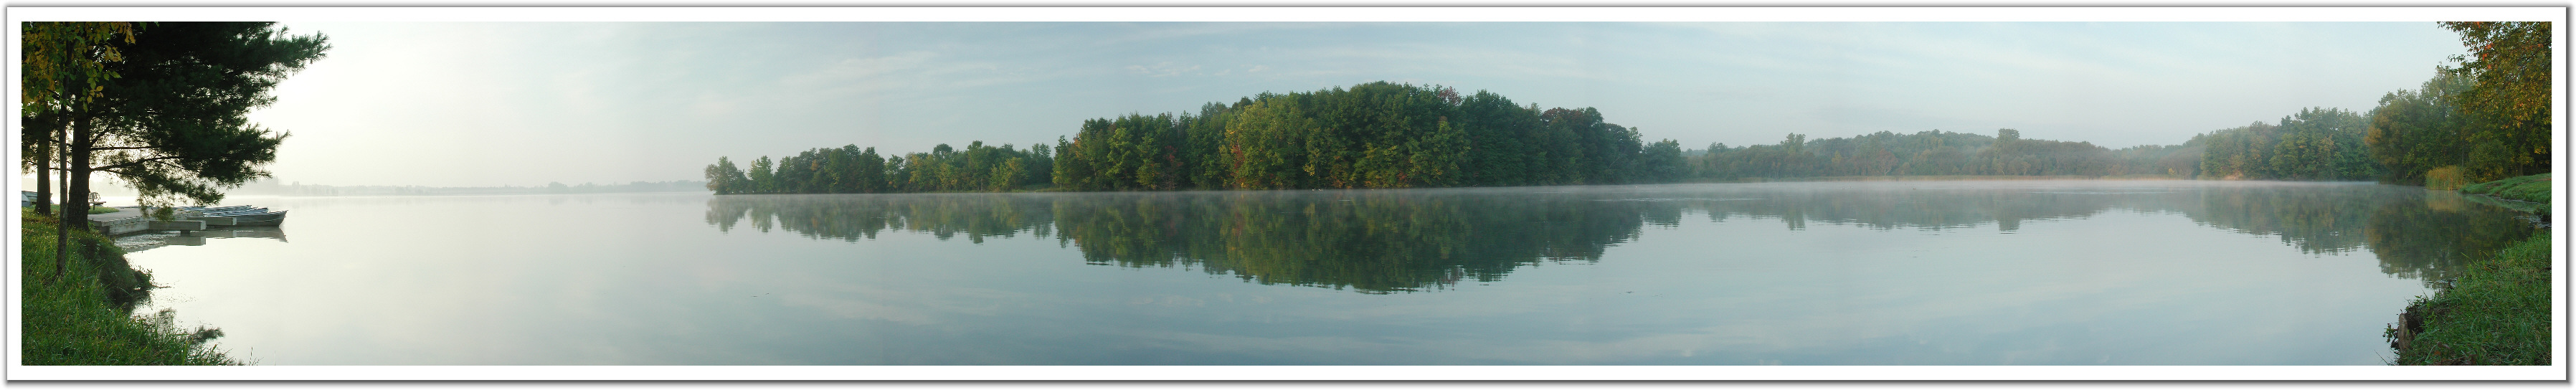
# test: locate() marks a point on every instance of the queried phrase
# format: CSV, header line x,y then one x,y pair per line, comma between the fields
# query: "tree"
x,y
724,178
64,65
2412,132
1662,162
174,124
2509,106
1372,135
170,119
763,176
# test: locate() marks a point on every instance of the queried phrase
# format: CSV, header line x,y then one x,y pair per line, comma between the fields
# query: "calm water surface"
x,y
2049,272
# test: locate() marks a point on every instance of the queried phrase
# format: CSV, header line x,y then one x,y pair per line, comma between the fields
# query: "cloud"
x,y
861,71
1163,69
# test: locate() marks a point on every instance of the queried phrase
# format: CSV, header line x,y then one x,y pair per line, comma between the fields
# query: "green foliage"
x,y
85,317
1130,152
725,178
2509,106
850,169
2489,116
175,123
2413,132
2533,188
57,210
2313,144
64,63
1375,135
2496,313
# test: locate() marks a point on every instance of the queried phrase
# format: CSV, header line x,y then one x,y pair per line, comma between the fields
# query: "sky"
x,y
527,103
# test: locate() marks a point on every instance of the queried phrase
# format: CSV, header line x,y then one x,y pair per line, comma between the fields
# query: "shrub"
x,y
2446,178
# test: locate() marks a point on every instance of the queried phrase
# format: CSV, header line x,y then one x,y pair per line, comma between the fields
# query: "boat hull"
x,y
273,218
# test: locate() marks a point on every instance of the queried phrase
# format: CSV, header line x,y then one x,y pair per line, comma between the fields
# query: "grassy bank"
x,y
58,209
2496,313
2534,188
85,317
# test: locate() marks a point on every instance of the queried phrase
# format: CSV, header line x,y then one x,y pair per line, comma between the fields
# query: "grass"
x,y
92,209
2534,188
85,316
2496,313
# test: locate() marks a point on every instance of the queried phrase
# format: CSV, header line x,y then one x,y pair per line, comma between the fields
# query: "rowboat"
x,y
272,218
202,209
235,212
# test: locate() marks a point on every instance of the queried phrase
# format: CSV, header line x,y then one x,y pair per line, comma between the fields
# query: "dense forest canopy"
x,y
2485,119
2314,144
1375,135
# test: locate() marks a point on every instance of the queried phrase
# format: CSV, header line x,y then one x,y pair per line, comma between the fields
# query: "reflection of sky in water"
x,y
644,279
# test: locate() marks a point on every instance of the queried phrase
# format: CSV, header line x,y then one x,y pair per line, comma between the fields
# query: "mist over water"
x,y
2003,272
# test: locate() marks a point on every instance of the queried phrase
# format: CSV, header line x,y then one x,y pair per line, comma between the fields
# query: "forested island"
x,y
1375,135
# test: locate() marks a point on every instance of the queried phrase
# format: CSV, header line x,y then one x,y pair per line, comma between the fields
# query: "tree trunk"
x,y
75,207
76,187
51,125
44,178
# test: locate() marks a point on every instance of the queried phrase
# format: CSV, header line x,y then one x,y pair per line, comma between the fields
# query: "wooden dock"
x,y
132,219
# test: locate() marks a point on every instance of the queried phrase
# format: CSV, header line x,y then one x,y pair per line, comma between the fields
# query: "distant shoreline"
x,y
1949,178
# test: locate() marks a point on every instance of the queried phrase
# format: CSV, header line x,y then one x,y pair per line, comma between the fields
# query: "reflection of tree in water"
x,y
1371,241
2414,233
1888,208
2430,234
852,218
2314,218
1381,241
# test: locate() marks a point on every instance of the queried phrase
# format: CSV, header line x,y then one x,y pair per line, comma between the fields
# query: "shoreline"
x,y
2497,312
86,316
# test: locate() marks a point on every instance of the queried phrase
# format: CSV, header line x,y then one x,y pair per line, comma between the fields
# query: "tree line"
x,y
2314,144
853,170
1937,153
2485,119
1374,135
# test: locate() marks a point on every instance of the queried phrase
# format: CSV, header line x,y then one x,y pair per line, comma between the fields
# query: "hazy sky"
x,y
518,103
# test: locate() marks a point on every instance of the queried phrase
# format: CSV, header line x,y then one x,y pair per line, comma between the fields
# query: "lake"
x,y
1842,273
